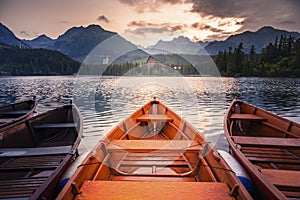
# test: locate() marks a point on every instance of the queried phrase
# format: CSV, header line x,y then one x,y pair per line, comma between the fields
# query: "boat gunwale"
x,y
79,177
264,186
22,117
49,185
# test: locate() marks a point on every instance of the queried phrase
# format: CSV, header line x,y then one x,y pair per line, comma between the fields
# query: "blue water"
x,y
104,101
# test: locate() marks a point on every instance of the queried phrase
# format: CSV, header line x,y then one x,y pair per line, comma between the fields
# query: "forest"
x,y
15,61
278,59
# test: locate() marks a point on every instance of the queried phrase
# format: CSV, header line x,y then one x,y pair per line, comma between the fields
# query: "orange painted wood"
x,y
267,141
153,190
162,157
153,179
153,145
250,117
146,163
154,117
292,194
287,178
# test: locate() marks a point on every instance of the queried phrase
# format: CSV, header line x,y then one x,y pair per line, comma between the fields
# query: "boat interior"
x,y
154,148
32,150
270,143
14,111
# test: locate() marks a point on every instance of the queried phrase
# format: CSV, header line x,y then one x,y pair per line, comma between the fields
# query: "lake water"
x,y
104,101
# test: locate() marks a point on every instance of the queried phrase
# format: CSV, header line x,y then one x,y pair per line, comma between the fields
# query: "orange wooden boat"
x,y
16,112
154,154
268,147
34,153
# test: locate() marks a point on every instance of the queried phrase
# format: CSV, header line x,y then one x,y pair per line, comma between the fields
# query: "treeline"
x,y
278,59
137,69
15,61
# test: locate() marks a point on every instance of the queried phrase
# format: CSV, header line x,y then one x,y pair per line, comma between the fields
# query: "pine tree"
x,y
239,58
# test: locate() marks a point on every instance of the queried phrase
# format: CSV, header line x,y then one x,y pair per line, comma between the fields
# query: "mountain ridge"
x,y
78,42
260,38
7,37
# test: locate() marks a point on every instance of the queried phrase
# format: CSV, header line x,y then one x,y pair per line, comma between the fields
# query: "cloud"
x,y
63,22
103,19
142,6
257,13
201,26
289,22
24,33
143,28
214,37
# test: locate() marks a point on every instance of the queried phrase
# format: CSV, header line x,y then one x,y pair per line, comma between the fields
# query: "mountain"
x,y
180,45
20,61
41,41
77,42
259,39
7,37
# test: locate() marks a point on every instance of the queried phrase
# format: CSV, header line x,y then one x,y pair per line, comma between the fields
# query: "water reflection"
x,y
105,101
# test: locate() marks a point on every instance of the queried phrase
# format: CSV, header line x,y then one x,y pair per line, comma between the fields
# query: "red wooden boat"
x,y
154,154
34,153
268,147
16,112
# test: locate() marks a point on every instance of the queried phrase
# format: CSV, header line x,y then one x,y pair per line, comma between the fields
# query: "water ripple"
x,y
105,101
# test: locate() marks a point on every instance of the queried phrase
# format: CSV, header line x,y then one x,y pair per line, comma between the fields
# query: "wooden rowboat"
x,y
34,153
154,154
15,112
268,147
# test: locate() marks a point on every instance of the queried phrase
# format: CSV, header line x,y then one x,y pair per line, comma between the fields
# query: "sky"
x,y
144,22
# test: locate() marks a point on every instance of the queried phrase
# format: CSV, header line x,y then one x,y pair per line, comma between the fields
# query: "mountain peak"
x,y
7,37
179,45
43,37
94,26
181,38
266,29
259,39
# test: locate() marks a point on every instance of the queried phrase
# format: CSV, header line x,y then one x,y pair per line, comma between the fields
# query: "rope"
x,y
199,144
204,165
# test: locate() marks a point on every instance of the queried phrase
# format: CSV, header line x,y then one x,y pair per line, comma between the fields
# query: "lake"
x,y
104,101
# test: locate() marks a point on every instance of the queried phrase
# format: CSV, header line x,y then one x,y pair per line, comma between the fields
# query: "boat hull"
x,y
268,148
16,112
37,151
154,147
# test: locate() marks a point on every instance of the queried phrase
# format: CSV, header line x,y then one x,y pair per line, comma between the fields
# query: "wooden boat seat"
x,y
153,179
153,190
153,145
154,117
267,141
286,178
249,117
16,152
32,162
56,125
15,112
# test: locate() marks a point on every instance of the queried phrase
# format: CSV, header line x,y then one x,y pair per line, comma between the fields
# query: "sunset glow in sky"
x,y
144,22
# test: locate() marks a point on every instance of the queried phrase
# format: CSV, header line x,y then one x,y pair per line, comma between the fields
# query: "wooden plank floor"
x,y
21,176
19,188
270,155
120,190
154,164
